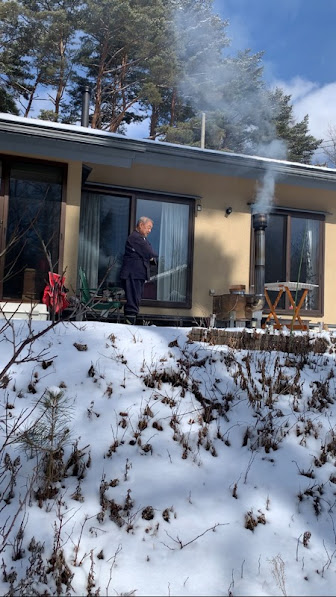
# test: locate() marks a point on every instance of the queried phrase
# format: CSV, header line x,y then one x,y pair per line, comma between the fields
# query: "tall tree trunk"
x,y
96,117
31,95
98,101
117,120
61,81
173,107
153,121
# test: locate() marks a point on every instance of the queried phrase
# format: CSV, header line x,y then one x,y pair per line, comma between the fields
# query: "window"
x,y
294,252
106,221
32,204
169,238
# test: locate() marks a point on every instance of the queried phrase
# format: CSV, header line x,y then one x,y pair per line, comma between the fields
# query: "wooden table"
x,y
287,287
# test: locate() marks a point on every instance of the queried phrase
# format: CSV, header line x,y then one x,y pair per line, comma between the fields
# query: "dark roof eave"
x,y
76,142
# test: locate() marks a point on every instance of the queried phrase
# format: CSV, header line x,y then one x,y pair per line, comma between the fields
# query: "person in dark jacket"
x,y
135,269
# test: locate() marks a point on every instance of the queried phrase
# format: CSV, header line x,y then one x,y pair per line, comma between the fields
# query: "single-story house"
x,y
76,193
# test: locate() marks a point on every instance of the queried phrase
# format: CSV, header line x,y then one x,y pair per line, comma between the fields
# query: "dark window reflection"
x,y
304,252
300,238
169,238
103,232
275,241
33,229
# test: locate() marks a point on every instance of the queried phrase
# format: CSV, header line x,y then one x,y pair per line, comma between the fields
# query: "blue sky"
x,y
297,36
299,43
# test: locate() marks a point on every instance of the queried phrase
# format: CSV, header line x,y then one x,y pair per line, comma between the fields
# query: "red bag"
x,y
54,295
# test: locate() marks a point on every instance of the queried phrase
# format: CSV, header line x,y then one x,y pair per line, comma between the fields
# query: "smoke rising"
x,y
229,89
276,149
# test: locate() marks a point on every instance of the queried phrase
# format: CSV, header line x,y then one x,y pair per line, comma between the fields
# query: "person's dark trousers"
x,y
133,291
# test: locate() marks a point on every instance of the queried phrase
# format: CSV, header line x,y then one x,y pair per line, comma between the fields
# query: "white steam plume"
x,y
265,189
250,107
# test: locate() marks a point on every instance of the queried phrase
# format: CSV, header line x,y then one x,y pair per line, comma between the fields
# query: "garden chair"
x,y
99,305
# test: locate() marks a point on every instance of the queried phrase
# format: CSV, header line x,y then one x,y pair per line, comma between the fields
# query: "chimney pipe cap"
x,y
259,221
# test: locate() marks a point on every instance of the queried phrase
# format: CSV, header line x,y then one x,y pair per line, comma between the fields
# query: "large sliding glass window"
x,y
106,221
33,228
103,232
169,238
294,252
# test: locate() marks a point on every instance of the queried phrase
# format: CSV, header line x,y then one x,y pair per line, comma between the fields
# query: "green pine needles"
x,y
48,435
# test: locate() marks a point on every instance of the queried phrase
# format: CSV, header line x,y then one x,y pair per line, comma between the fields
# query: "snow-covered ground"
x,y
183,468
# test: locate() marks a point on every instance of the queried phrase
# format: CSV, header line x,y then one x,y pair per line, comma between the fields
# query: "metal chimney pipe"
x,y
259,222
85,106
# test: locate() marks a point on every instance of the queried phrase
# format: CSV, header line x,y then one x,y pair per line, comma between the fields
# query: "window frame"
x,y
288,214
148,195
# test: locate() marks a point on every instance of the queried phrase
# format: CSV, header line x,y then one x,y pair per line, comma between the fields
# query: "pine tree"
x,y
300,144
232,98
12,64
52,24
36,45
119,40
7,102
187,65
248,117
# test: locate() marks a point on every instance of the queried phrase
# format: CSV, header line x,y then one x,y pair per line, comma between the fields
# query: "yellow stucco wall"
x,y
71,231
221,244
